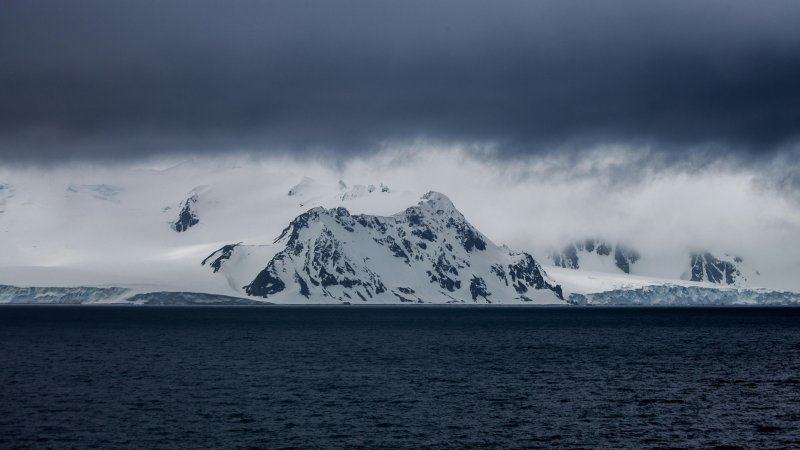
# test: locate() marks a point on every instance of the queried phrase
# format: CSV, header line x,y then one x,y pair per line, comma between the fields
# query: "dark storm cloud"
x,y
105,79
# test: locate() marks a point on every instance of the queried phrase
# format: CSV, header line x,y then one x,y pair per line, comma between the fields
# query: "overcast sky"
x,y
667,124
679,79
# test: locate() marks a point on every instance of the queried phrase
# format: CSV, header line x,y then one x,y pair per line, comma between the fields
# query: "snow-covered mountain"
x,y
428,253
187,214
595,254
727,269
188,211
599,255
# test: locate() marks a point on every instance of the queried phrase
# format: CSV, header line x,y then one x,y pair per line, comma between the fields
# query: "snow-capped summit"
x,y
426,253
438,203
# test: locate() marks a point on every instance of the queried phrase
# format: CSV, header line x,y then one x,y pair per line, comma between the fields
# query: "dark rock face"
x,y
569,257
426,234
527,273
265,284
187,217
603,248
220,256
624,257
707,267
469,237
477,287
445,274
500,272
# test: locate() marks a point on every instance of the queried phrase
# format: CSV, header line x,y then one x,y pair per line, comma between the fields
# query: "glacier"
x,y
87,295
674,295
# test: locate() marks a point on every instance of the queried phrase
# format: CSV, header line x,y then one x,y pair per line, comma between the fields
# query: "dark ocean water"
x,y
440,377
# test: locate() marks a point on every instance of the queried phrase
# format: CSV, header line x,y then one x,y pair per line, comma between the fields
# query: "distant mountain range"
x,y
572,255
209,246
701,266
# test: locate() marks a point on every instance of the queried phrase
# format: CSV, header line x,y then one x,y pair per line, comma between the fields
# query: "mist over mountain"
x,y
117,224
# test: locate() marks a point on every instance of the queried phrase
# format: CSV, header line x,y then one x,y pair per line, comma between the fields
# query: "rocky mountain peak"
x,y
187,214
188,210
427,253
704,266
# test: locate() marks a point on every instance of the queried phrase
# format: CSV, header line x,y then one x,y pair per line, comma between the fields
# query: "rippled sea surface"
x,y
437,377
